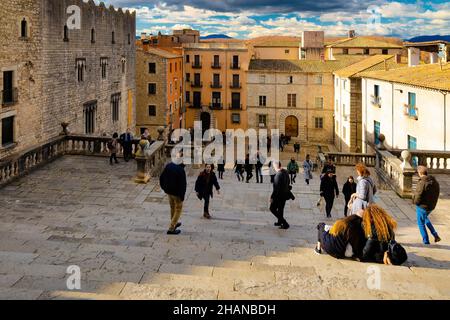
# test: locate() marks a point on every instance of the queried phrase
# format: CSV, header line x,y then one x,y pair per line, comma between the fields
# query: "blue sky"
x,y
252,18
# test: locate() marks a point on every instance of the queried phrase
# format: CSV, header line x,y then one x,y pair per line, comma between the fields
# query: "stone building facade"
x,y
64,61
294,96
159,84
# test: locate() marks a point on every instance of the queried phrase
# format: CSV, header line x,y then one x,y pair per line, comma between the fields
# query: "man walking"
x,y
258,167
126,140
279,195
173,182
248,166
425,199
329,189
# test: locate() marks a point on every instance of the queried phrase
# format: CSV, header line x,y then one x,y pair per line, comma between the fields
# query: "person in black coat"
x,y
348,189
248,168
344,232
329,166
281,192
329,190
258,167
173,183
204,187
126,140
221,167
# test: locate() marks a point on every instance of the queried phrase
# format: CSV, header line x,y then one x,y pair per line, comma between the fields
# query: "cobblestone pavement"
x,y
81,211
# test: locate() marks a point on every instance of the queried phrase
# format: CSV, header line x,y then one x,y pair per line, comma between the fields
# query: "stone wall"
x,y
49,90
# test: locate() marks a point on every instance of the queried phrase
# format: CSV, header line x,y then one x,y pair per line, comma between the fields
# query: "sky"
x,y
252,18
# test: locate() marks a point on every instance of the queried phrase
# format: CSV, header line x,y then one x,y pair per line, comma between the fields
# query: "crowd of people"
x,y
125,140
367,231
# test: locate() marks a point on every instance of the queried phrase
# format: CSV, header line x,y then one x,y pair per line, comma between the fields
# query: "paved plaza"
x,y
82,211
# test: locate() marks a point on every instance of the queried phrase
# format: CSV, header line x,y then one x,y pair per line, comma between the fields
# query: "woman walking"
x,y
248,168
348,189
329,190
204,187
365,190
221,167
292,168
239,171
112,146
307,169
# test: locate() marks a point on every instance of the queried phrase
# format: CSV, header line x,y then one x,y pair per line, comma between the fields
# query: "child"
x,y
348,189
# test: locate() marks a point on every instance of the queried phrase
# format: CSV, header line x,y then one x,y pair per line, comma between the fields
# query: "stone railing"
x,y
18,165
150,161
436,161
23,163
395,173
351,159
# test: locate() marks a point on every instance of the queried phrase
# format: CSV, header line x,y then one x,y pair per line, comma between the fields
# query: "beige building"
x,y
52,74
215,85
348,100
294,96
159,84
360,46
276,49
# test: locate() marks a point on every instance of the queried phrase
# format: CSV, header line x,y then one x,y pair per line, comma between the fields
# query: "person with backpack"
x,y
281,192
348,190
380,246
365,190
204,187
292,168
173,183
425,199
112,146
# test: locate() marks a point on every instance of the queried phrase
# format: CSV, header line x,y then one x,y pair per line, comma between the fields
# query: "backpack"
x,y
397,254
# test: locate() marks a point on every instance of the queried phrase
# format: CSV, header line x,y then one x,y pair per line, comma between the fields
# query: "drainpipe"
x,y
392,121
445,119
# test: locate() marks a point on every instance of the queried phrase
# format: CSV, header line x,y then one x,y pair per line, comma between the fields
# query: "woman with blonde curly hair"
x,y
378,228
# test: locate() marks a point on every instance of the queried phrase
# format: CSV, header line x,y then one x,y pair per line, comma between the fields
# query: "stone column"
x,y
142,175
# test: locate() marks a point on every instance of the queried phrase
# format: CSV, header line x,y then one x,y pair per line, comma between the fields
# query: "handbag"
x,y
350,202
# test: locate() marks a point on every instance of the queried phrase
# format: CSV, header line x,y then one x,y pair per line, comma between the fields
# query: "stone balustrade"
x,y
351,159
438,162
20,164
150,161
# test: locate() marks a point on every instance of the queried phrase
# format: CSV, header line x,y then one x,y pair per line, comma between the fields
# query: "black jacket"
x,y
205,188
173,180
248,166
281,186
374,249
427,193
328,187
349,189
330,167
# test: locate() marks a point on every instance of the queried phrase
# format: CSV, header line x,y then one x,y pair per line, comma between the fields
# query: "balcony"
x,y
235,106
376,101
194,105
411,111
235,85
216,65
235,66
197,84
216,85
196,65
9,97
216,106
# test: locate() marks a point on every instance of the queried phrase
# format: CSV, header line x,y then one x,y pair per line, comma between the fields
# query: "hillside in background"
x,y
430,38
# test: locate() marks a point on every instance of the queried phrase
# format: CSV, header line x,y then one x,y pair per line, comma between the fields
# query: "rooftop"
x,y
160,52
366,64
278,43
427,76
363,42
303,65
215,46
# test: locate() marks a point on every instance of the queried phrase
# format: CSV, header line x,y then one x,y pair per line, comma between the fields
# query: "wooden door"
x,y
291,126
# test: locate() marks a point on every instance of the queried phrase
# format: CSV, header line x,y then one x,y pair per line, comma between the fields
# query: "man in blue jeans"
x,y
425,199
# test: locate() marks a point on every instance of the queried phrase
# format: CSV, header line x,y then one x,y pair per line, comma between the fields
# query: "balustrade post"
x,y
142,175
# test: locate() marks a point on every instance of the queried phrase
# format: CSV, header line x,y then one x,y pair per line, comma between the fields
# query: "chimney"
x,y
398,58
351,33
143,35
413,56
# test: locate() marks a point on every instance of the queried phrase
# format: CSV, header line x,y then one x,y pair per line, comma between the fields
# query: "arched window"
x,y
24,28
92,35
66,33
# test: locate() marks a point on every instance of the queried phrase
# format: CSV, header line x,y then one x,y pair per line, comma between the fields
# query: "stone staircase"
x,y
120,245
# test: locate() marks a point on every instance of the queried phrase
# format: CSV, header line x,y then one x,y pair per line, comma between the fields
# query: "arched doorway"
x,y
291,126
205,118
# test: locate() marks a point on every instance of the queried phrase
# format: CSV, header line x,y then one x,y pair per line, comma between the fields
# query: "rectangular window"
x,y
187,58
376,91
170,67
80,67
291,79
115,106
152,67
216,62
235,118
412,111
236,83
262,120
103,65
151,111
170,88
384,51
412,145
344,51
291,100
216,100
9,92
319,79
344,133
318,123
188,96
262,101
319,102
366,51
235,64
197,99
216,80
7,131
286,51
262,78
152,88
197,78
188,77
376,132
90,112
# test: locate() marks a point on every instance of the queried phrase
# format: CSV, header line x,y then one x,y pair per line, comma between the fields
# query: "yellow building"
x,y
360,46
215,85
